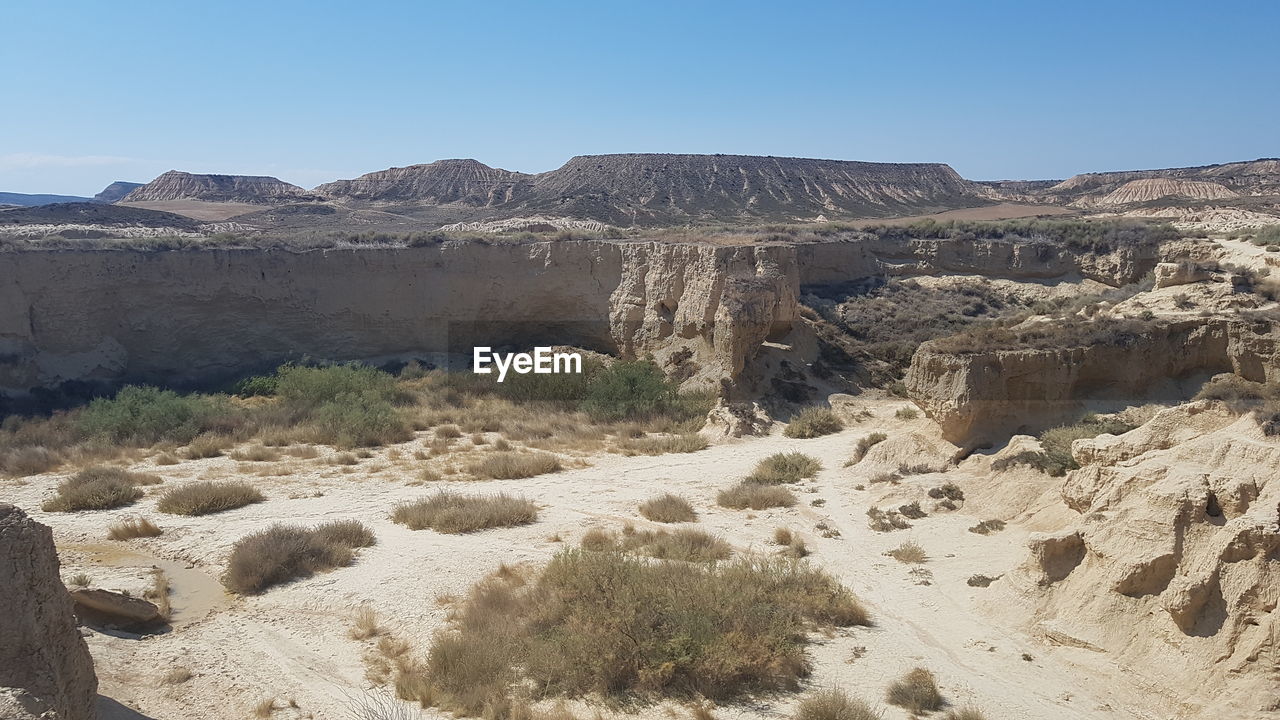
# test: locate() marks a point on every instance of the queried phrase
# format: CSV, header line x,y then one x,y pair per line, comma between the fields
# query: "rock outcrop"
x,y
1253,178
467,182
45,668
96,606
1173,560
1146,190
176,185
116,191
986,395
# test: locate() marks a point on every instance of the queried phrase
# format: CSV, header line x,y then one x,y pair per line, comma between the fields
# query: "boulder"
x,y
104,607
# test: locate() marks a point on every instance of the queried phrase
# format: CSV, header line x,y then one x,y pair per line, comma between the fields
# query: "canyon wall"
x,y
181,317
982,397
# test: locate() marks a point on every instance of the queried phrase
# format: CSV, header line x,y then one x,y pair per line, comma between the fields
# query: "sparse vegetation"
x,y
282,553
813,422
687,544
965,713
98,488
176,676
668,508
755,496
604,622
886,520
986,527
981,580
916,691
834,704
448,512
782,468
865,444
142,415
1055,456
130,528
662,444
949,491
909,552
205,497
514,465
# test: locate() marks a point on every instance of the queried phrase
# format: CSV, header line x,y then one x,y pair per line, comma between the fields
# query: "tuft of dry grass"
x,y
256,453
207,496
965,713
365,624
662,444
886,520
98,488
29,460
167,458
813,422
782,536
781,468
687,544
176,676
130,528
514,466
449,512
158,593
864,445
909,552
285,552
668,508
834,704
264,708
754,496
609,623
80,580
449,432
207,446
916,691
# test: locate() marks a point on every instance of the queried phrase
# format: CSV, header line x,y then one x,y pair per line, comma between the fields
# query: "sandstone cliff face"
x,y
985,396
175,185
1173,561
184,316
45,668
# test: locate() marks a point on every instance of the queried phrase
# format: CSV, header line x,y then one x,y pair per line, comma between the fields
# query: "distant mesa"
x,y
28,200
465,182
176,185
116,191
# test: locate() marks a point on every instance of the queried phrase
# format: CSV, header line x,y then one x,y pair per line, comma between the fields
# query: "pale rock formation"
x,y
45,668
177,185
728,419
104,607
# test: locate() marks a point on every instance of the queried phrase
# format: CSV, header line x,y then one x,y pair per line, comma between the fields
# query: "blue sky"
x,y
313,91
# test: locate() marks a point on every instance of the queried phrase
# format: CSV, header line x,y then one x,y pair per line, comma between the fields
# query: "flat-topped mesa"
x,y
1026,381
655,188
176,185
465,182
116,191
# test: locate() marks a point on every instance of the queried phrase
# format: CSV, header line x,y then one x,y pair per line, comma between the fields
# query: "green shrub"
x,y
358,420
309,388
205,497
782,468
143,415
284,552
607,623
629,390
813,422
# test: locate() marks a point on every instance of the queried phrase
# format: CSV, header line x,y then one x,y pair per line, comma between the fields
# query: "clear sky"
x,y
311,91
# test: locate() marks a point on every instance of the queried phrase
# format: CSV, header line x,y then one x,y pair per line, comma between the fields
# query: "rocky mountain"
x,y
175,185
116,191
650,189
467,182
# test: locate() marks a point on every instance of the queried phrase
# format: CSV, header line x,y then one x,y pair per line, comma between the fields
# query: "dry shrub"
x,y
514,466
207,446
834,704
668,508
917,691
205,497
986,527
907,413
662,444
950,491
167,458
347,533
782,536
449,432
256,453
909,552
284,552
98,488
813,422
865,444
748,495
365,624
130,528
981,580
886,520
264,708
782,468
158,593
912,510
685,544
28,460
344,458
176,676
448,512
611,624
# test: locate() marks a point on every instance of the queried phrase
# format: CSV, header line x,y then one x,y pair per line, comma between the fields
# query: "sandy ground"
x,y
292,642
198,209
